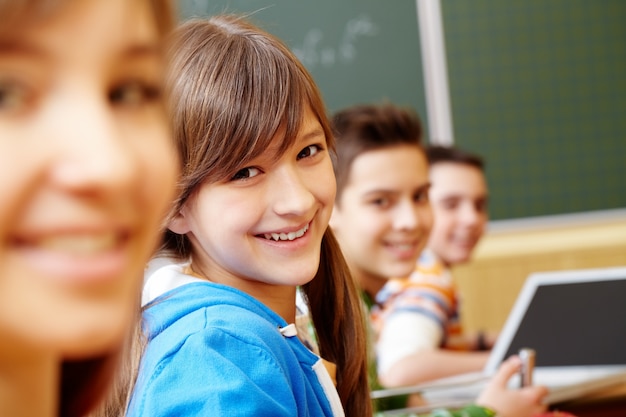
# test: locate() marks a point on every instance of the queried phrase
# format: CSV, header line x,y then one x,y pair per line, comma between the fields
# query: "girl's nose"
x,y
290,193
95,153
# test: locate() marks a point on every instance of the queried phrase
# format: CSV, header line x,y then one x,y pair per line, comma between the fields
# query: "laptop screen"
x,y
570,318
575,324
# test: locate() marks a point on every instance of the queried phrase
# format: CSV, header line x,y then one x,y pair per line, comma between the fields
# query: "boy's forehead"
x,y
384,169
458,170
450,178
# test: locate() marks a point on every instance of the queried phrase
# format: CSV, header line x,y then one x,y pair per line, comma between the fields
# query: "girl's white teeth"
x,y
82,244
286,236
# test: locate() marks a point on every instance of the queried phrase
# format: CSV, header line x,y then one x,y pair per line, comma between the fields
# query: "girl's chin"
x,y
87,346
95,334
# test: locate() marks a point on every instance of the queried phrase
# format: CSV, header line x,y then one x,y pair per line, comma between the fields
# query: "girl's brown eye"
x,y
245,173
309,151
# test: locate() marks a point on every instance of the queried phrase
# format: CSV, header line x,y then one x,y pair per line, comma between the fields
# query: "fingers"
x,y
536,395
507,369
521,402
537,392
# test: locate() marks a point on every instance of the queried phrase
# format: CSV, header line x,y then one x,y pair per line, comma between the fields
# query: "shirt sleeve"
x,y
404,333
200,378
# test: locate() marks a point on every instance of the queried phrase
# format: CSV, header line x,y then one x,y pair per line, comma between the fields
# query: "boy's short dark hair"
x,y
439,153
368,127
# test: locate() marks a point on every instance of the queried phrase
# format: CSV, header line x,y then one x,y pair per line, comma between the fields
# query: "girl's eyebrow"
x,y
18,48
317,131
141,50
313,133
15,47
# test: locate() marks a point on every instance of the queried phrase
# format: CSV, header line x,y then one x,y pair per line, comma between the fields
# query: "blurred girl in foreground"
x,y
87,173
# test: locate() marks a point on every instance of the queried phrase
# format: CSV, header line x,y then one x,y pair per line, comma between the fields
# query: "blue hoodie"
x,y
215,351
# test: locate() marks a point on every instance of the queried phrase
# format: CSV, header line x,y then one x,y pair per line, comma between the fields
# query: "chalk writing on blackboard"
x,y
313,52
195,7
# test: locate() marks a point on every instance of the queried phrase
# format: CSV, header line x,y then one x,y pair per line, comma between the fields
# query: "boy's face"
x,y
384,217
459,198
86,174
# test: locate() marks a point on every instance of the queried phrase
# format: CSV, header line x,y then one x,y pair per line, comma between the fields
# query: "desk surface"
x,y
610,402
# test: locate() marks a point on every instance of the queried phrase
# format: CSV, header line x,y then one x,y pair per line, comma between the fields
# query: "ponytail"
x,y
337,314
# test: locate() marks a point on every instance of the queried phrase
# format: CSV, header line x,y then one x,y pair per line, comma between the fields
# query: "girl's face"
x,y
384,217
86,174
264,227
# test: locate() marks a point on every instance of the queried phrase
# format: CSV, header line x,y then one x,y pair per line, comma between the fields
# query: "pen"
x,y
527,356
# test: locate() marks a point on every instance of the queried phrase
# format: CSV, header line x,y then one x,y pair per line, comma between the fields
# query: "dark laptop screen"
x,y
575,324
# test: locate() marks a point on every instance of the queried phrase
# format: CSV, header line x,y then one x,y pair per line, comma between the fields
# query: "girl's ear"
x,y
179,223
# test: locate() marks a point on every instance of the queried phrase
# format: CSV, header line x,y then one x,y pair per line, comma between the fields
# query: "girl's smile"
x,y
87,173
278,236
78,258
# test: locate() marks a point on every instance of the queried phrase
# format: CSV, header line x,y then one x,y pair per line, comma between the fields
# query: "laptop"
x,y
574,320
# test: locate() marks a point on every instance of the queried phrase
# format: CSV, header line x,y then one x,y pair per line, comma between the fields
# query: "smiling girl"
x,y
249,226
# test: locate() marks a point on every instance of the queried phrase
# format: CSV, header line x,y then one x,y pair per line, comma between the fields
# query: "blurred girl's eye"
x,y
13,96
309,151
421,196
246,173
134,94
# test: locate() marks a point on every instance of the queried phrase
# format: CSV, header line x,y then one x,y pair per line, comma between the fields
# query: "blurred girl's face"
x,y
86,173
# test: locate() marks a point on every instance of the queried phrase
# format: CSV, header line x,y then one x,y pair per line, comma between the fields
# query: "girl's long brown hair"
x,y
83,382
232,86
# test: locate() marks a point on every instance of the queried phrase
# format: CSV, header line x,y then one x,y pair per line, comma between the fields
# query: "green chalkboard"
x,y
358,51
539,88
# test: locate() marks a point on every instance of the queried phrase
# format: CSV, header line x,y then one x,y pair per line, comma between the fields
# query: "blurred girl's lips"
x,y
85,244
77,258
